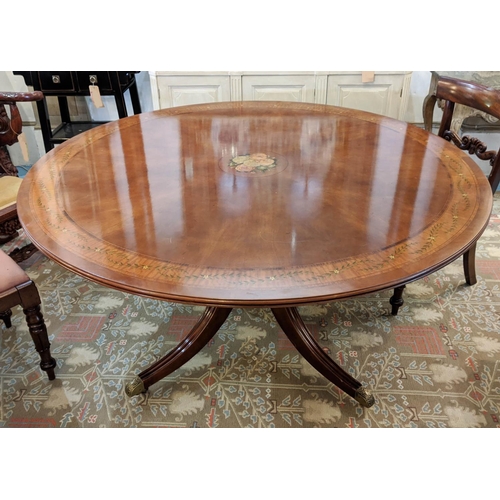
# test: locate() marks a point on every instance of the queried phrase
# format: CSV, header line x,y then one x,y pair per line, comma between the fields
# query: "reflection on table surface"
x,y
258,188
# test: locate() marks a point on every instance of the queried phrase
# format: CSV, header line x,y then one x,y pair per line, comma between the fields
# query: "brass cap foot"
x,y
364,398
135,387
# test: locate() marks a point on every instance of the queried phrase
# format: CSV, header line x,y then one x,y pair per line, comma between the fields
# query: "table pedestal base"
x,y
292,325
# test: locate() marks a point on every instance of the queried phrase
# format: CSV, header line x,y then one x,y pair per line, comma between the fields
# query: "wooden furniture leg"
x,y
397,299
5,317
30,302
470,265
38,332
16,288
208,325
428,111
292,325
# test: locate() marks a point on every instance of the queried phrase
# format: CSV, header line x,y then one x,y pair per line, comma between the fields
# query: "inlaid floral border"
x,y
43,196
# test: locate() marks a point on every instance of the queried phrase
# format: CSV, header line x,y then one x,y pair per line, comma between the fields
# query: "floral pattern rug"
x,y
436,364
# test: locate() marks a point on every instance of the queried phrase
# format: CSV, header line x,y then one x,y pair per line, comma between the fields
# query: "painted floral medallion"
x,y
253,164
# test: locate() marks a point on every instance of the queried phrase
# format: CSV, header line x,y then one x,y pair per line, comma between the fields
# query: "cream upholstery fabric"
x,y
9,186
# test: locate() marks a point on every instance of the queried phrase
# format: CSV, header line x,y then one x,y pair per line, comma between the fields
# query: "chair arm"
x,y
11,127
11,97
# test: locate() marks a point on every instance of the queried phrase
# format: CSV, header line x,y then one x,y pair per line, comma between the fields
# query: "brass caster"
x,y
135,387
364,398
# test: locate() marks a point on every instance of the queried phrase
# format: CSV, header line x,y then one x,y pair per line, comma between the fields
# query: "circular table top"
x,y
254,203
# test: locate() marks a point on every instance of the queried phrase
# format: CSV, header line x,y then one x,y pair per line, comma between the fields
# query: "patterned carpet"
x,y
436,364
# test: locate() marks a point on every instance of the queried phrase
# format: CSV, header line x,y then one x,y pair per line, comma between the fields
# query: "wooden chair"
x,y
16,288
454,91
10,128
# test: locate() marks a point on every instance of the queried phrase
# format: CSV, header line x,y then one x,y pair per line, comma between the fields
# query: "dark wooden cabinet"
x,y
64,84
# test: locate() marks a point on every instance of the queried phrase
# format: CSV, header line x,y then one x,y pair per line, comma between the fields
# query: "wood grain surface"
x,y
254,203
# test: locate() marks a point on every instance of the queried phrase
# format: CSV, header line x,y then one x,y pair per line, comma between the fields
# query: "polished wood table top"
x,y
254,204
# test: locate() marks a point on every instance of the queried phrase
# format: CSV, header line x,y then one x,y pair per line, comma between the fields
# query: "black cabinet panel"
x,y
99,78
55,81
71,83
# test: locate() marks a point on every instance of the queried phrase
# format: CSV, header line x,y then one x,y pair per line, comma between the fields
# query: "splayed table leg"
x,y
290,321
207,326
294,328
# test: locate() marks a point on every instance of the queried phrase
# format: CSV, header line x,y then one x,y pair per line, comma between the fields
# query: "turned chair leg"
x,y
38,332
31,303
5,316
470,265
16,288
397,299
469,259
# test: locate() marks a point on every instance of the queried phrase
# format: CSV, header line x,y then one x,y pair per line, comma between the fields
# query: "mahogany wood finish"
x,y
207,326
290,321
455,91
474,95
16,288
470,265
10,128
397,300
333,203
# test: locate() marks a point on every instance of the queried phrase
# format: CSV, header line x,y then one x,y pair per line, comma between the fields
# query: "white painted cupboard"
x,y
384,92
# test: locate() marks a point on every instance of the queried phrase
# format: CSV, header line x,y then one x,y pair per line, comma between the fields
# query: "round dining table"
x,y
254,204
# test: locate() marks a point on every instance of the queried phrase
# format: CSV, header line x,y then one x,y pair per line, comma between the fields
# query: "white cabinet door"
x,y
192,89
298,88
385,95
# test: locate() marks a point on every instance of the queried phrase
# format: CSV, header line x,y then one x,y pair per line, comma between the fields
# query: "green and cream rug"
x,y
436,364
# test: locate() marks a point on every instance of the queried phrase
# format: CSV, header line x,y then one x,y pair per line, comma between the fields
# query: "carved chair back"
x,y
10,128
454,91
